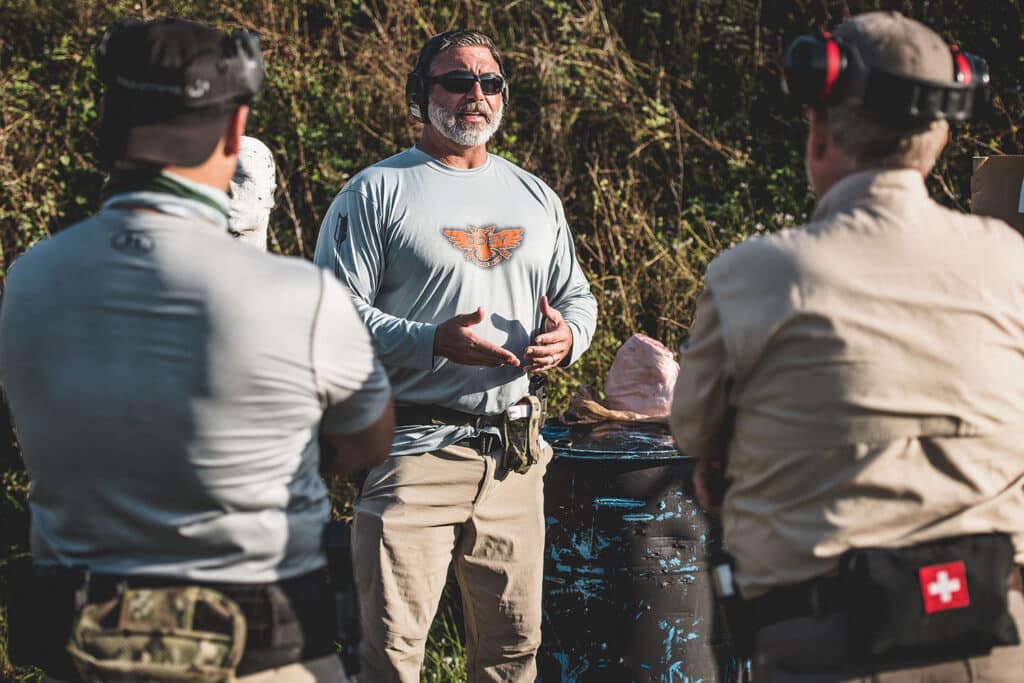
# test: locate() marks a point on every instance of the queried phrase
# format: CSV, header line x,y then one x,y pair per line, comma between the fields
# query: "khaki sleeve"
x,y
701,417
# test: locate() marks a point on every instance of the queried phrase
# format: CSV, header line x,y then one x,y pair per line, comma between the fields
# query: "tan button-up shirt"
x,y
865,375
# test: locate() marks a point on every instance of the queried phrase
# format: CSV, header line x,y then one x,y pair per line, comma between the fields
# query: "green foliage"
x,y
445,658
660,123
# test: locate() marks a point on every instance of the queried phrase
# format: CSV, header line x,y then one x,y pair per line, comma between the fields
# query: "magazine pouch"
x,y
521,435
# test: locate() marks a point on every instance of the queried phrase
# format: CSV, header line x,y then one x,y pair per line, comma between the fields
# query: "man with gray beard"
x,y
462,266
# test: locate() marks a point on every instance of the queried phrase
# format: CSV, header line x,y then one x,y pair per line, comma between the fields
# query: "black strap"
x,y
482,443
817,597
407,415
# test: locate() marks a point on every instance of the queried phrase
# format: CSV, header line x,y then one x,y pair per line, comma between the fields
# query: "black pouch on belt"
x,y
735,612
520,433
945,599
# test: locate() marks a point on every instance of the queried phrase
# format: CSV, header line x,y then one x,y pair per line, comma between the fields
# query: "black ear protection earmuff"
x,y
417,85
103,60
245,63
819,68
239,73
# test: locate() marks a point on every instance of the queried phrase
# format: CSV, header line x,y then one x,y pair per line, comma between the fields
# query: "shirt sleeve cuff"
x,y
577,349
423,347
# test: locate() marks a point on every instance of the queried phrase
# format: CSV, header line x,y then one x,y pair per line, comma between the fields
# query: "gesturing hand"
x,y
455,340
552,344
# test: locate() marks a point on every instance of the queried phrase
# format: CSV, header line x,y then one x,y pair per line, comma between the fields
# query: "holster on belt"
x,y
734,611
338,545
520,434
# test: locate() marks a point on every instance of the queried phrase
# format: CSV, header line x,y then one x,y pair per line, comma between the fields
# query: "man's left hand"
x,y
552,344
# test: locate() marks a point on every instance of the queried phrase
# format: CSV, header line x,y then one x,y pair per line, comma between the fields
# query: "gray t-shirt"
x,y
167,384
418,242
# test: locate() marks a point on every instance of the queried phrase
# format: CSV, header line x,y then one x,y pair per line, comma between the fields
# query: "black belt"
x,y
482,443
287,621
408,415
817,598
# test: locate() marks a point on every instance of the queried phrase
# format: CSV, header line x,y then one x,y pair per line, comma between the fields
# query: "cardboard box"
x,y
996,185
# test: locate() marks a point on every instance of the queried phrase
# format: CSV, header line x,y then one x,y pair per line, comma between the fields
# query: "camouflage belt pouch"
x,y
521,434
182,634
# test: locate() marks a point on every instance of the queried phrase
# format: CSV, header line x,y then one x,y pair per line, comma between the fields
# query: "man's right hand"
x,y
455,340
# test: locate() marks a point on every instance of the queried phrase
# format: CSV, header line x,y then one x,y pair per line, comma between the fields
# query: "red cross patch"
x,y
944,586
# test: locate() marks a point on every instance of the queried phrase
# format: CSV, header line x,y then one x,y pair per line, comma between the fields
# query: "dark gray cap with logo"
x,y
170,87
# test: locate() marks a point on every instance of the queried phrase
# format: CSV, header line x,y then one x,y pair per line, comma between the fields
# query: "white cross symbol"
x,y
944,587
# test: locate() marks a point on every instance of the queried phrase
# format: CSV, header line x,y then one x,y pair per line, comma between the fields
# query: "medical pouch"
x,y
521,435
945,599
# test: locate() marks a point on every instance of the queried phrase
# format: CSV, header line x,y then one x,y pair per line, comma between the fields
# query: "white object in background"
x,y
252,193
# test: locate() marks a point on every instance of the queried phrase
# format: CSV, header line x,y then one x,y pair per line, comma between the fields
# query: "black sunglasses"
x,y
461,82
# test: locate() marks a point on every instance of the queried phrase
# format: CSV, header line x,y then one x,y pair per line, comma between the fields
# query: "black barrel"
x,y
627,592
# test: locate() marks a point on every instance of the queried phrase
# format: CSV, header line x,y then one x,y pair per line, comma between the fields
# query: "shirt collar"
x,y
870,183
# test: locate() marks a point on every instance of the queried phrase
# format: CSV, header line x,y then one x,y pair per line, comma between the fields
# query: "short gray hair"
x,y
465,38
874,145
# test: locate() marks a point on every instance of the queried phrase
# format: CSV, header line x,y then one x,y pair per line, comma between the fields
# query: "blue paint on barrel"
x,y
618,503
643,517
627,591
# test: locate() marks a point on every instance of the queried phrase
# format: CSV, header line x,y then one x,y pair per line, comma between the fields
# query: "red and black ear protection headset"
x,y
819,68
417,85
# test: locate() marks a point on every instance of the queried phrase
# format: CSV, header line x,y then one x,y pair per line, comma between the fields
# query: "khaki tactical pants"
x,y
809,650
415,515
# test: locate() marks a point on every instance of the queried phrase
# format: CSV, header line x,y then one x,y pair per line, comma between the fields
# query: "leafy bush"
x,y
660,123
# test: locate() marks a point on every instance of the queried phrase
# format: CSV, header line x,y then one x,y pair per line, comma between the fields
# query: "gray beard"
x,y
460,133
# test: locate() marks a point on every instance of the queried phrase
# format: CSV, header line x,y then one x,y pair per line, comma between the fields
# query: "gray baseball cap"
x,y
899,45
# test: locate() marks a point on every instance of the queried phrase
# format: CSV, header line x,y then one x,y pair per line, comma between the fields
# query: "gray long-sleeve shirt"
x,y
418,242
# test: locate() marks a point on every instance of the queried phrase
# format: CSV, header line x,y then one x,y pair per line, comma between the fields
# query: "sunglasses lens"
x,y
461,82
490,84
457,83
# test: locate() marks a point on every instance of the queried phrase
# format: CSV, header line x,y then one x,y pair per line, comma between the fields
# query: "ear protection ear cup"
x,y
415,96
816,70
242,62
245,47
417,87
102,56
963,72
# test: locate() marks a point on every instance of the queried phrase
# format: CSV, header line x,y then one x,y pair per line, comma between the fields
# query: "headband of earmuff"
x,y
819,69
417,85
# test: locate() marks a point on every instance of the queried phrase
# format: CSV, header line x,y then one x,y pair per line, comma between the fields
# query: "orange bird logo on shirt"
x,y
488,246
